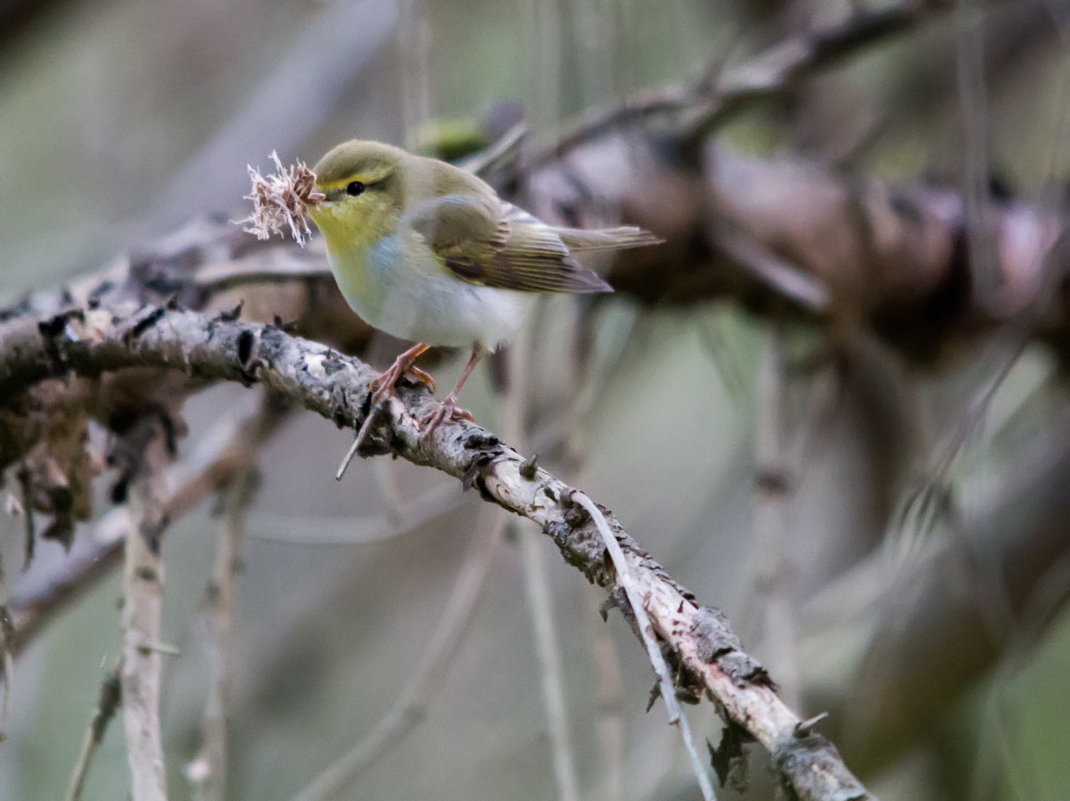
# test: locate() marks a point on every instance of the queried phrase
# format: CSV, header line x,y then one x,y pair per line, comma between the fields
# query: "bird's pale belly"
x,y
420,302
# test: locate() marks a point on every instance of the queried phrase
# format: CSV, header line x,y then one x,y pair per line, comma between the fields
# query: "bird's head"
x,y
362,182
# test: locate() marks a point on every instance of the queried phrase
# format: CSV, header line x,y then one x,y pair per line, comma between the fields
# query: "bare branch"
x,y
141,622
537,588
636,602
208,772
770,594
708,656
548,658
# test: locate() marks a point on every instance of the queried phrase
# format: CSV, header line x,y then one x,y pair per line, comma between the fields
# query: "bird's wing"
x,y
496,244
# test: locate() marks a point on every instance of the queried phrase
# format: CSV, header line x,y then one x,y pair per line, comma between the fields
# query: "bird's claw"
x,y
422,376
384,385
447,410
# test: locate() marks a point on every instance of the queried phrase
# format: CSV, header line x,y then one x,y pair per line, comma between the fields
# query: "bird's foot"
x,y
447,410
414,373
384,385
383,388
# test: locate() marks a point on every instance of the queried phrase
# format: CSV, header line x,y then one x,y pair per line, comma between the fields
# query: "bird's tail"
x,y
626,236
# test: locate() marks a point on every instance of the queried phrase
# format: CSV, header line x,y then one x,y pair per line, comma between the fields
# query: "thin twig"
x,y
810,292
588,380
411,704
209,771
141,625
414,40
107,705
318,531
769,588
548,659
627,582
981,236
7,659
506,145
768,74
610,702
537,585
924,500
358,441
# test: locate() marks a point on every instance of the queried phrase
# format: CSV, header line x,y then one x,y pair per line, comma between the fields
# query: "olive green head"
x,y
362,182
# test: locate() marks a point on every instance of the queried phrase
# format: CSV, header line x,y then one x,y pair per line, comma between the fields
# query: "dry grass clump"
x,y
282,201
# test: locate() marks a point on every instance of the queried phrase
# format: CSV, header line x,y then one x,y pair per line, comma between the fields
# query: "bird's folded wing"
x,y
498,245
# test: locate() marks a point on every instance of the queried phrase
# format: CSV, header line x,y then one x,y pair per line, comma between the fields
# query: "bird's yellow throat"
x,y
347,234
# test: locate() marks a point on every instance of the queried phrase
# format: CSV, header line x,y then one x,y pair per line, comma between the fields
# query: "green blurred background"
x,y
121,120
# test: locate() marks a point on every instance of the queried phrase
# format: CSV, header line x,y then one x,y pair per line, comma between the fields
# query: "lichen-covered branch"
x,y
702,649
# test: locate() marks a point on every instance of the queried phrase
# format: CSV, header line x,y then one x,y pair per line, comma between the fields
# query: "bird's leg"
x,y
382,386
448,409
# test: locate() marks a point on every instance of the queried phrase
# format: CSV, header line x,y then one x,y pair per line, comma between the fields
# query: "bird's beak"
x,y
329,196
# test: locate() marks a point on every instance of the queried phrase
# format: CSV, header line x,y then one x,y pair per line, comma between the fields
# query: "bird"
x,y
428,252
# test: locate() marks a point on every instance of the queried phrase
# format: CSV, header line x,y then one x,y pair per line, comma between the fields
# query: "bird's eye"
x,y
354,188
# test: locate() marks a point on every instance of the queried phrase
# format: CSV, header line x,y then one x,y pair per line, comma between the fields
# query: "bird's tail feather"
x,y
626,236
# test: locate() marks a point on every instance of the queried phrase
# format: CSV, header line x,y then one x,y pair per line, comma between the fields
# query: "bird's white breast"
x,y
406,293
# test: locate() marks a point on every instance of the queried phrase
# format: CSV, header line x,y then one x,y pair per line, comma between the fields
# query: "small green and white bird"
x,y
429,253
